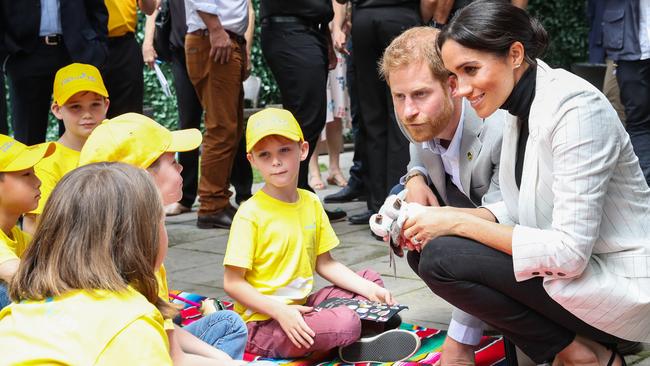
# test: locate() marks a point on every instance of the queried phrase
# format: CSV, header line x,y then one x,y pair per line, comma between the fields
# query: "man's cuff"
x,y
464,334
205,7
420,169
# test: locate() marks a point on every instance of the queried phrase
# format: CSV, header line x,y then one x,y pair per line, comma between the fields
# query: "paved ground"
x,y
194,263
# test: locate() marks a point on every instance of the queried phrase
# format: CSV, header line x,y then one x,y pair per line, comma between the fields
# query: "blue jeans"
x,y
4,297
224,330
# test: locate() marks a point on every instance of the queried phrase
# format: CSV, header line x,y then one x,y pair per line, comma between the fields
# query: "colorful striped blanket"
x,y
490,351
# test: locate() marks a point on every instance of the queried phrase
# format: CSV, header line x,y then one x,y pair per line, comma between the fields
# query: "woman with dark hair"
x,y
561,266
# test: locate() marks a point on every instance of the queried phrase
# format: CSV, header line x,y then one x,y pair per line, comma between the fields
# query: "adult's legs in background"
x,y
634,82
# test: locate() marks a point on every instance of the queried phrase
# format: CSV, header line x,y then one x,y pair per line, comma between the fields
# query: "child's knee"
x,y
346,322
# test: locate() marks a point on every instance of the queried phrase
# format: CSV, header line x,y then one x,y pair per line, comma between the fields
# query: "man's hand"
x,y
419,192
220,46
294,326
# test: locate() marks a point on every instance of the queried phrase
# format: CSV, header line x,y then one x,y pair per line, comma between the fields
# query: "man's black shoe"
x,y
336,215
221,220
346,194
361,219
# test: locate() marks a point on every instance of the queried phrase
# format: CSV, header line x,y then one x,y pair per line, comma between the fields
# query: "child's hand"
x,y
293,324
380,294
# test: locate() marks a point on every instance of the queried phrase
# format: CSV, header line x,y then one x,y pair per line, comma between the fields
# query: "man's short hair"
x,y
416,45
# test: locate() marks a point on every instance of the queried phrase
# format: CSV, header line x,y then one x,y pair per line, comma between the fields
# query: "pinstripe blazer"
x,y
582,217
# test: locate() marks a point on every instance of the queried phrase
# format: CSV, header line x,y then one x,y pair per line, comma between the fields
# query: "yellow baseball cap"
x,y
272,121
15,156
74,78
135,139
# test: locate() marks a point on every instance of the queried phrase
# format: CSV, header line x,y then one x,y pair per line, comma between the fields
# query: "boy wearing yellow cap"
x,y
279,237
80,100
140,141
19,193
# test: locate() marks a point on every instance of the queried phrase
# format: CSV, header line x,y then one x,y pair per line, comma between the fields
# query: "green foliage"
x,y
565,22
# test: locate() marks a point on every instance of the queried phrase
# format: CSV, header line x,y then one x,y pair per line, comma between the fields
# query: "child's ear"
x,y
250,158
304,150
107,103
56,111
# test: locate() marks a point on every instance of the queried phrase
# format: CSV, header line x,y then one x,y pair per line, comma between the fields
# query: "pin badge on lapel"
x,y
469,156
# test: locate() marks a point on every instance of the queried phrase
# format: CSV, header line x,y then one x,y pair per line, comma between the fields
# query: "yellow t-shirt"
x,y
163,292
84,328
122,17
51,169
14,247
278,243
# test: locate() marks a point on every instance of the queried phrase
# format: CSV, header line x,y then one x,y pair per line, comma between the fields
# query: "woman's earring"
x,y
517,66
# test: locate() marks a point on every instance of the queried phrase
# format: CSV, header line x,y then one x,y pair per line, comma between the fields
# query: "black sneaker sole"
x,y
390,346
335,200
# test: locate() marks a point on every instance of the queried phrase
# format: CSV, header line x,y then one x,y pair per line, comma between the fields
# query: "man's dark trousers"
x,y
634,82
386,147
297,56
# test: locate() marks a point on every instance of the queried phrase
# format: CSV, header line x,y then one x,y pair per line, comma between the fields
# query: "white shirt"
x,y
233,14
644,28
450,155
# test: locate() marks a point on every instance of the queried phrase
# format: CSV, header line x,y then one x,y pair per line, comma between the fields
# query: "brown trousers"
x,y
219,87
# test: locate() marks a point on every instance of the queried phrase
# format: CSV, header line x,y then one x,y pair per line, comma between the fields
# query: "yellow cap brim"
x,y
284,133
30,157
185,140
81,87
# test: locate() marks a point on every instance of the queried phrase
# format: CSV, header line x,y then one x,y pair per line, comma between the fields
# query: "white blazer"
x,y
582,217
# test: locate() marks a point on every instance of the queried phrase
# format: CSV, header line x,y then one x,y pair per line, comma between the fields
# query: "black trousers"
x,y
634,82
480,281
123,76
31,78
4,127
386,147
189,116
358,175
297,56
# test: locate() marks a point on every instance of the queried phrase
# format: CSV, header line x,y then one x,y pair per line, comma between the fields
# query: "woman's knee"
x,y
437,259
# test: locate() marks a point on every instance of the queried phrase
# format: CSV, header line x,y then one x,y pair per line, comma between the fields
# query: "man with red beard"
x,y
454,153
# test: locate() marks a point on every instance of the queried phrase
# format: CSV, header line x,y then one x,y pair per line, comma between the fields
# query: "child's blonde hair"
x,y
99,230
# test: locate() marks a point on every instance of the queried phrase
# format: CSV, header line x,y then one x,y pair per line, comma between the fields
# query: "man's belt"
x,y
233,36
52,39
290,19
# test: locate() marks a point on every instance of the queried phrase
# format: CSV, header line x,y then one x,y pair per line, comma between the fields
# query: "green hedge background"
x,y
563,19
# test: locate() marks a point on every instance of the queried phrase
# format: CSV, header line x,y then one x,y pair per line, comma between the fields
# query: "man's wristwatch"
x,y
411,174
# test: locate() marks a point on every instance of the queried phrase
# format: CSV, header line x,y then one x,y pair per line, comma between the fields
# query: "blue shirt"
x,y
50,18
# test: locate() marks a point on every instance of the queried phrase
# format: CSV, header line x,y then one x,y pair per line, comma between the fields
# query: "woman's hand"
x,y
294,326
430,224
149,54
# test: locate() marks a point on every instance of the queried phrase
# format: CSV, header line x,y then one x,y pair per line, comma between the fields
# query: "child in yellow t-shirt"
x,y
140,141
85,292
80,100
278,239
19,193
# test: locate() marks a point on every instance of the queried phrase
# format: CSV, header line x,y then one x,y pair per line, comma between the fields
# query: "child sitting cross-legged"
x,y
278,239
85,292
19,193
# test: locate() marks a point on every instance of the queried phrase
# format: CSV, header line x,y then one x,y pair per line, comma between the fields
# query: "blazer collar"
x,y
470,144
